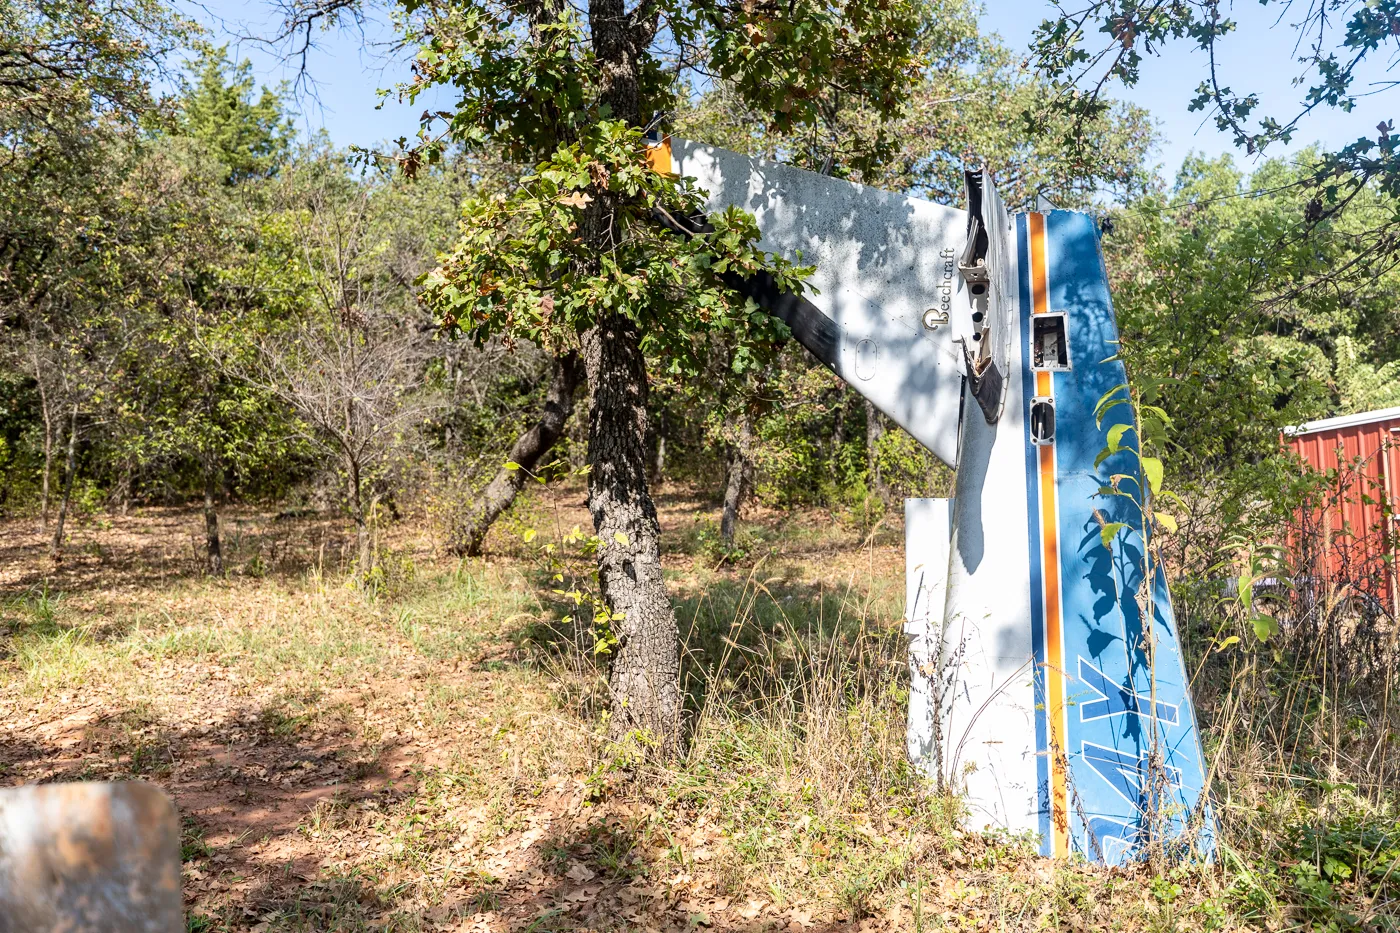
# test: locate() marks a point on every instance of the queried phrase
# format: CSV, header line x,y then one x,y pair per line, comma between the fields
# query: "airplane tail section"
x,y
1047,682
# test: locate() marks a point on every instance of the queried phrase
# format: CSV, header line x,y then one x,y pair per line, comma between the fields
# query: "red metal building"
x,y
1349,538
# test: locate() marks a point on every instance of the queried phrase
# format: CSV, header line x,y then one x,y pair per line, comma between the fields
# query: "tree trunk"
x,y
48,472
873,430
838,434
354,490
211,520
68,471
644,679
740,480
121,495
564,380
357,512
660,470
44,409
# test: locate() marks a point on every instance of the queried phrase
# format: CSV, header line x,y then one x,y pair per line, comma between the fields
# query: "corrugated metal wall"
x,y
1350,533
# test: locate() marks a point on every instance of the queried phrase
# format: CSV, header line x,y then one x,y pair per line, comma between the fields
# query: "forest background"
x,y
203,310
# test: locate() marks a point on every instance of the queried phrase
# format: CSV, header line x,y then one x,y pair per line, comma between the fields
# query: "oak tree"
x,y
573,258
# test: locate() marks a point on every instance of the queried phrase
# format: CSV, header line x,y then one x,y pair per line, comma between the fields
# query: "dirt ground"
x,y
408,758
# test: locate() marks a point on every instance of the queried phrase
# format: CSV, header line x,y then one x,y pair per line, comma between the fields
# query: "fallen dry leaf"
x,y
800,916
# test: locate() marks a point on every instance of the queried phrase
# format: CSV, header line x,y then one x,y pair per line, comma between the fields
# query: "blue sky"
x,y
353,63
1258,58
347,69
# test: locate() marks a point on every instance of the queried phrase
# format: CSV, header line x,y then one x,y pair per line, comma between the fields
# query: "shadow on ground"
x,y
275,825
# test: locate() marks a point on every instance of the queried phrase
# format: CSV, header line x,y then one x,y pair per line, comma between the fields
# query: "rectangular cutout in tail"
x,y
1049,342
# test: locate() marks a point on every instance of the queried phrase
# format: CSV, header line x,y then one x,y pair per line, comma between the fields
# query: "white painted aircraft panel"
x,y
882,260
928,533
987,654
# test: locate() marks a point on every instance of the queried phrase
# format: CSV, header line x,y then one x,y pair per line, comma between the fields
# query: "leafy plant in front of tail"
x,y
1141,485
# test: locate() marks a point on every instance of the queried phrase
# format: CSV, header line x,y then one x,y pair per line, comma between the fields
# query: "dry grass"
x,y
424,755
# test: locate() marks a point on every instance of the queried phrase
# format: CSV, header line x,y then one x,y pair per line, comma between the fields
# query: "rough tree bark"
x,y
565,376
740,479
211,519
644,680
69,469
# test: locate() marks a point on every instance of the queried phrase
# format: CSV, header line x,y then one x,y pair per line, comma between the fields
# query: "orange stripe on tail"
x,y
1050,571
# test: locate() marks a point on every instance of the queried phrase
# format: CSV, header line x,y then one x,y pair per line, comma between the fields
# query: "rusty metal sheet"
x,y
88,857
1354,520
